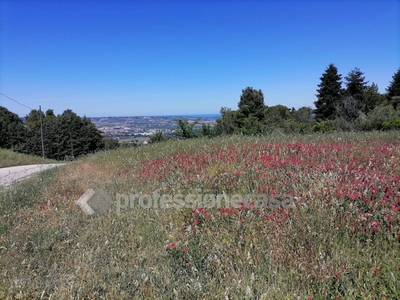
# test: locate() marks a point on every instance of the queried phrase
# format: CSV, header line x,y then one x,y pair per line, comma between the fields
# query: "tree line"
x,y
349,105
65,136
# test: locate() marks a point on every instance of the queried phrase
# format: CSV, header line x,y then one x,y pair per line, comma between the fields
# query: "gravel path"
x,y
12,174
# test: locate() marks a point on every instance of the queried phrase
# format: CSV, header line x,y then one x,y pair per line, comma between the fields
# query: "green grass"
x,y
51,250
9,158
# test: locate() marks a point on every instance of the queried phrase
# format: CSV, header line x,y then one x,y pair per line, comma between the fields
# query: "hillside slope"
x,y
9,158
276,217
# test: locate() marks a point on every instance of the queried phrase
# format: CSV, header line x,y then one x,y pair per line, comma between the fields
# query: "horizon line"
x,y
177,115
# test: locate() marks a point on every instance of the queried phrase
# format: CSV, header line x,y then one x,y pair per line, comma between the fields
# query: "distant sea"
x,y
198,116
168,116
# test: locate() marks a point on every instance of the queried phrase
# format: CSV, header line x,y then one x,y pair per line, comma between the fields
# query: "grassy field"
x,y
9,158
339,238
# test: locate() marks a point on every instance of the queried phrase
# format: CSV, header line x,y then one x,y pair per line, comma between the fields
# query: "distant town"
x,y
139,129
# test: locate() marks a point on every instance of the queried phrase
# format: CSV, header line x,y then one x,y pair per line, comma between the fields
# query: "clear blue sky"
x,y
129,58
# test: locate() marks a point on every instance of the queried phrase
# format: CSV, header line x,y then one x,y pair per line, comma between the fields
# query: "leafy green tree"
x,y
252,103
157,137
303,115
276,115
89,138
66,136
329,94
185,128
252,126
12,129
392,124
49,115
208,131
323,126
372,98
110,143
229,121
300,121
379,115
32,120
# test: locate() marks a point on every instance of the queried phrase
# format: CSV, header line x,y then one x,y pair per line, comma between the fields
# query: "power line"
x,y
16,101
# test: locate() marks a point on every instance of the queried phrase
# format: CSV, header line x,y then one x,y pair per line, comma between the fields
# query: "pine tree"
x,y
356,84
252,103
329,94
394,86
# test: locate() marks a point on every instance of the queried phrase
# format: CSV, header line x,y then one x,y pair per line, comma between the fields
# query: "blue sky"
x,y
130,58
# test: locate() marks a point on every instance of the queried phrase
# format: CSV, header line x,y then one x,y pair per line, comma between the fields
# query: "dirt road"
x,y
12,174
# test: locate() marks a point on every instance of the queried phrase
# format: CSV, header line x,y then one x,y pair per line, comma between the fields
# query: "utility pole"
x,y
41,129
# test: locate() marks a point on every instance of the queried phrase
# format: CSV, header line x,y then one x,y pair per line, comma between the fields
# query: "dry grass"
x,y
51,250
9,158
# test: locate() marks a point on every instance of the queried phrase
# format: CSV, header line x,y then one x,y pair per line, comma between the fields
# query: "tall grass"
x,y
51,250
9,158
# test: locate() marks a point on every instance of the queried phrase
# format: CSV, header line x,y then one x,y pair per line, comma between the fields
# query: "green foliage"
x,y
276,115
252,126
126,144
12,129
378,116
229,121
355,84
185,128
392,124
303,115
323,126
394,86
394,101
66,136
110,143
248,119
329,94
252,103
32,120
157,137
371,98
207,130
292,126
342,124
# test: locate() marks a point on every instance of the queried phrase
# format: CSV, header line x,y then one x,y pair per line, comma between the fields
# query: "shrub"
x,y
324,126
378,116
157,137
392,124
110,143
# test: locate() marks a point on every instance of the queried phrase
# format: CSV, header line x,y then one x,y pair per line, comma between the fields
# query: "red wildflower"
x,y
171,246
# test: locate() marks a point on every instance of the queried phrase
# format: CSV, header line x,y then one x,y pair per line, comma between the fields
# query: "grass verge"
x,y
9,158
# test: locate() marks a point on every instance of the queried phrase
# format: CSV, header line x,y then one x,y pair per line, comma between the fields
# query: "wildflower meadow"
x,y
339,240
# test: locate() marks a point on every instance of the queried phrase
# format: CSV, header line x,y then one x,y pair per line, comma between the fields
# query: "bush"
x,y
110,143
378,116
292,126
209,131
392,124
324,126
252,126
185,128
157,137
